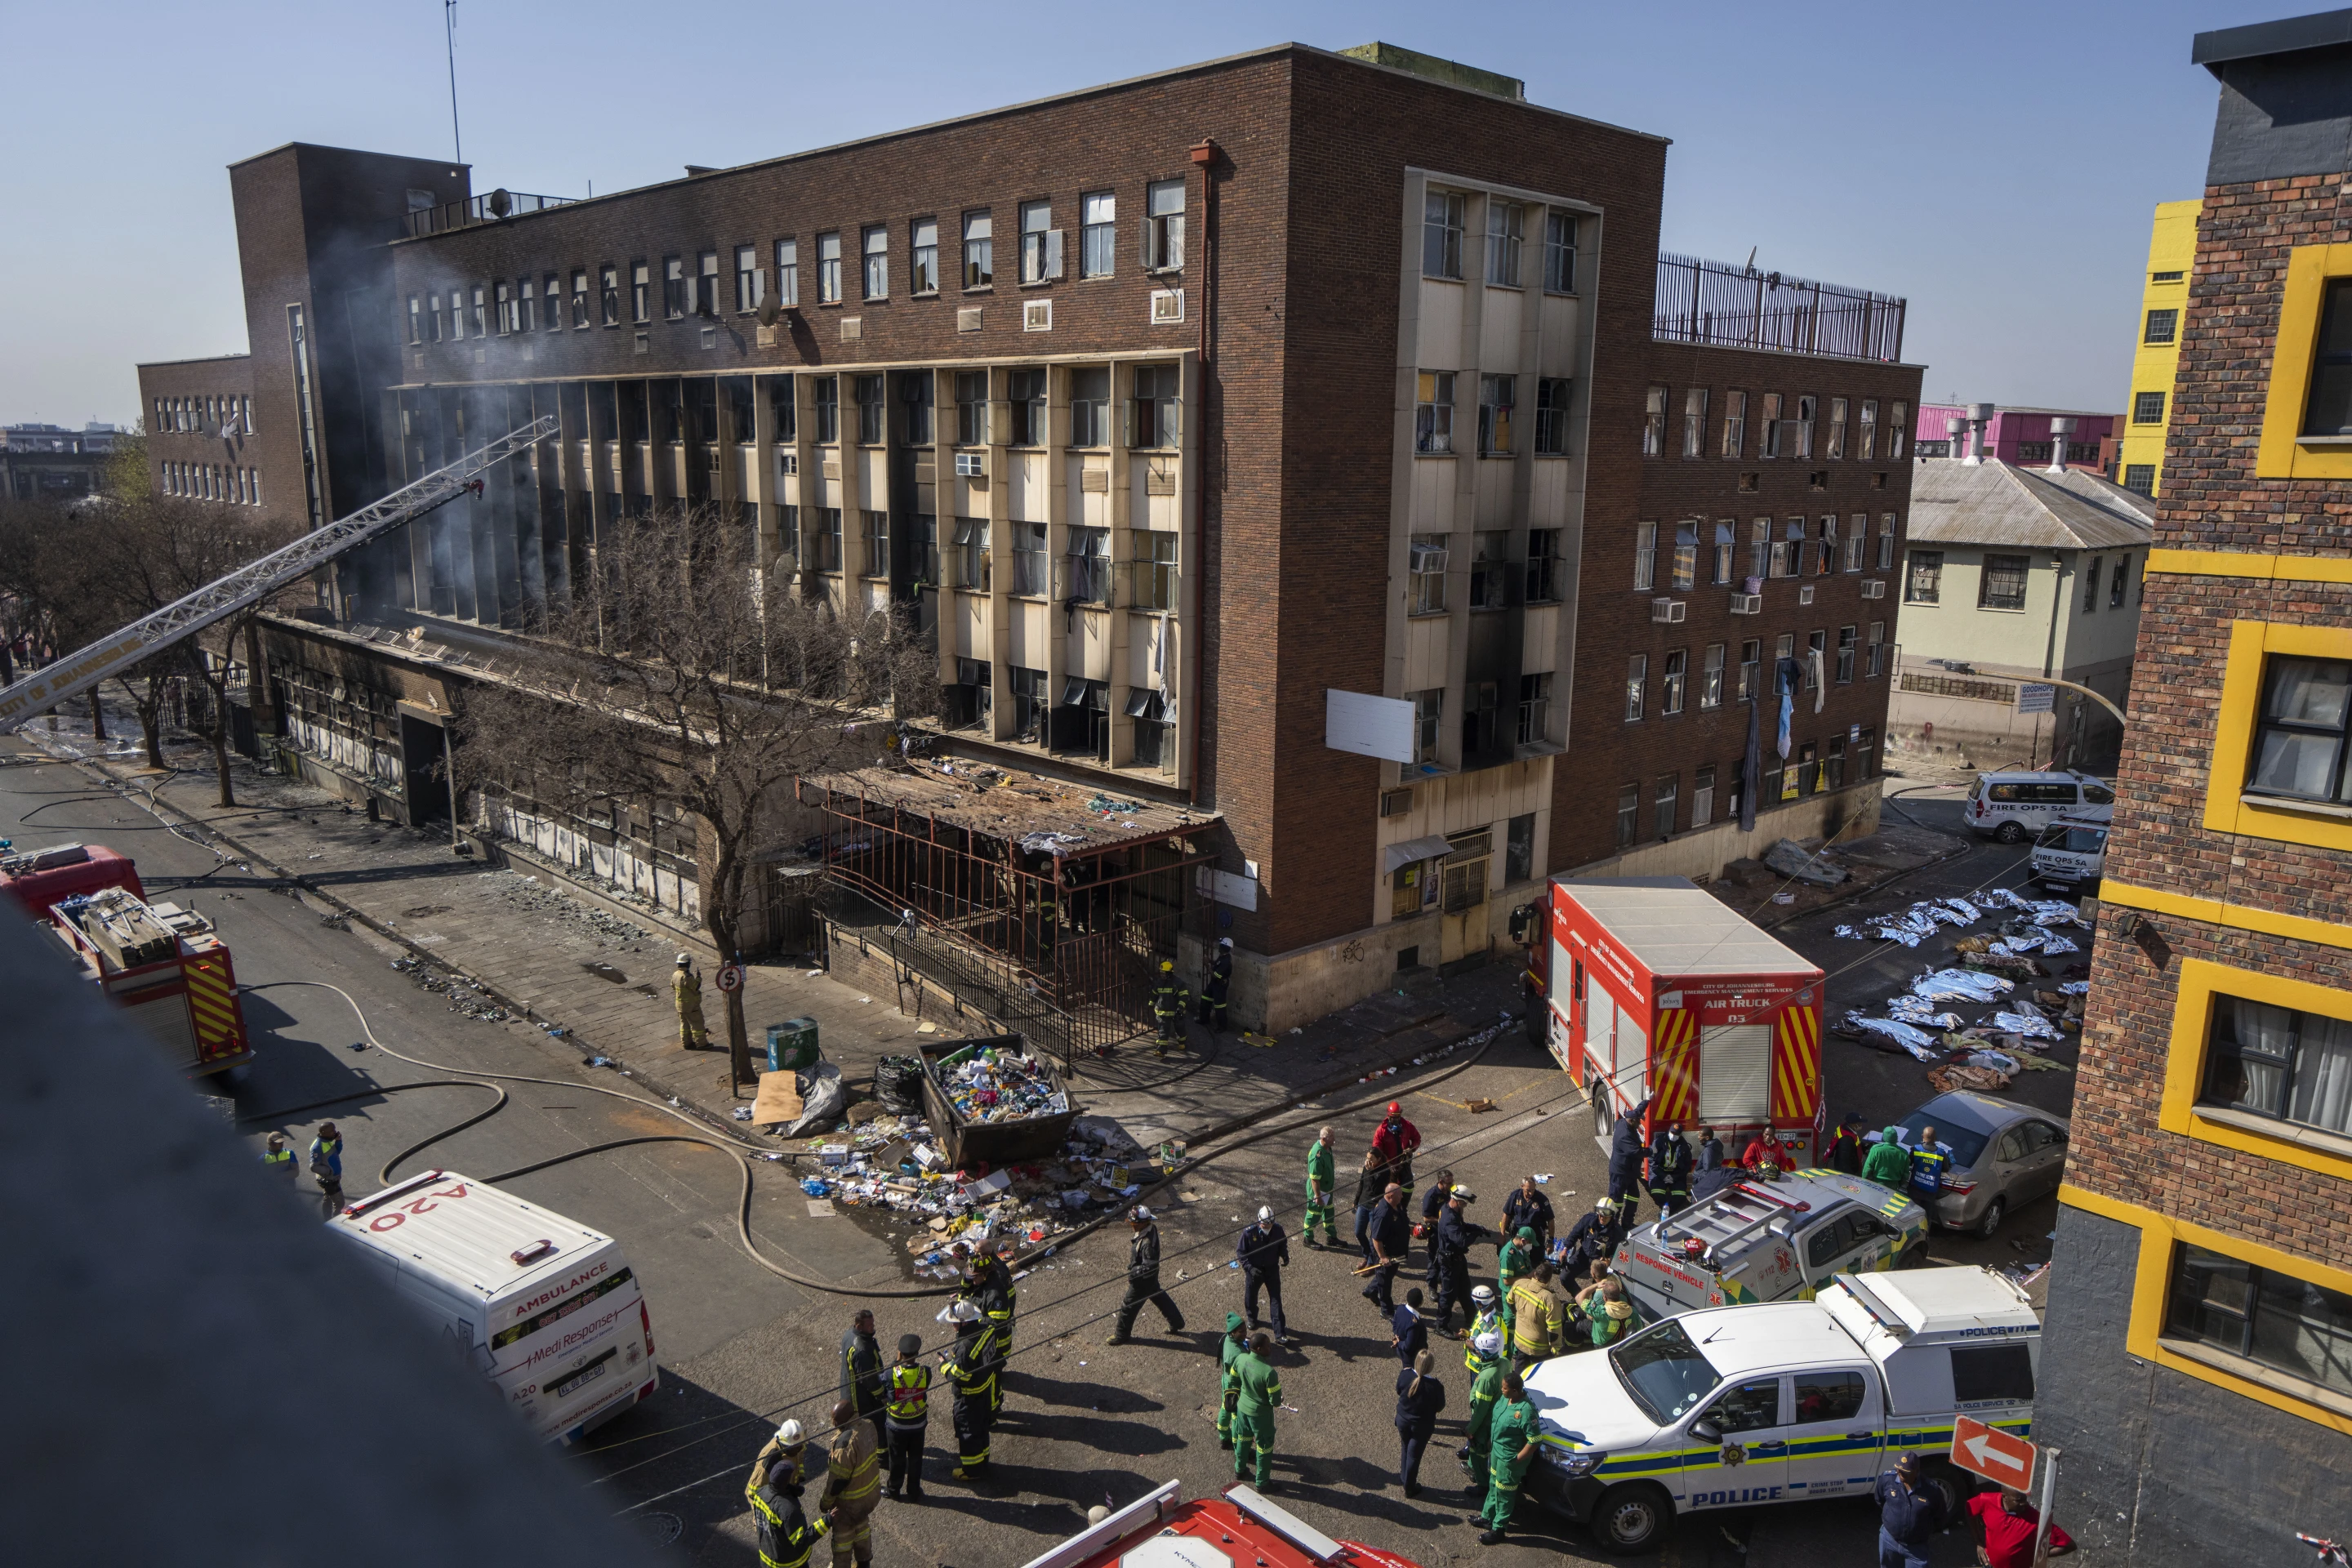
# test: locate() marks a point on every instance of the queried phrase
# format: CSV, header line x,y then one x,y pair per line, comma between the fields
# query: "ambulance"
x,y
1654,989
546,1309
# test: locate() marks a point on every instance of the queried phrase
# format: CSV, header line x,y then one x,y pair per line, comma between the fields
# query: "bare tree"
x,y
146,552
682,672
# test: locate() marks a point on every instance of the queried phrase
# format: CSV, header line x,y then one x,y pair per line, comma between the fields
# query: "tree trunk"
x,y
219,738
150,708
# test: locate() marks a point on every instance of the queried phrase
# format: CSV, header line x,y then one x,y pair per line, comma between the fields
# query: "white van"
x,y
2071,853
2013,807
546,1309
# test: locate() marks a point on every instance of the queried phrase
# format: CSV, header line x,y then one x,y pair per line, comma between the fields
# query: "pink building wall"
x,y
2011,428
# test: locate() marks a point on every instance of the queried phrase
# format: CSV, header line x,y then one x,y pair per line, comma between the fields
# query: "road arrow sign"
x,y
1996,1455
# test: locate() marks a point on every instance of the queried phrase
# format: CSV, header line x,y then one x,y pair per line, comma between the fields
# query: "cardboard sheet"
x,y
779,1100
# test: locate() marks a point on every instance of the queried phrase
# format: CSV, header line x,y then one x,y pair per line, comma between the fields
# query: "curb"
x,y
301,885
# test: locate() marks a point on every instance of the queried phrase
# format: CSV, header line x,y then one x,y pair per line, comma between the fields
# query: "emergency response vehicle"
x,y
167,966
1653,989
1781,1401
546,1309
1770,1241
36,878
1238,1529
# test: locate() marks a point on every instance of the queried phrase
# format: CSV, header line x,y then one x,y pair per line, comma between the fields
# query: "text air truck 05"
x,y
548,1310
1783,1401
1656,990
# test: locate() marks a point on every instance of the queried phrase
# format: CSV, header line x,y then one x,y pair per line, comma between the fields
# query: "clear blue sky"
x,y
1995,163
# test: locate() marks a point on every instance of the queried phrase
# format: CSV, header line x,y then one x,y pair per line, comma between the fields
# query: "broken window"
x,y
1089,566
1845,647
1029,571
674,287
1726,549
1163,226
1148,708
1041,243
1546,572
1857,539
915,392
1710,678
1770,413
702,299
1489,552
1805,410
1694,422
1735,423
1535,708
1836,447
1637,685
1497,396
1559,253
1027,391
923,256
1865,443
1654,422
979,251
970,559
1551,416
1153,413
1428,710
1425,585
1028,691
825,543
1433,419
640,292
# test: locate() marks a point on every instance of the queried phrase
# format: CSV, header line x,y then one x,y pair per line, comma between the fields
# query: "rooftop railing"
x,y
494,207
1738,307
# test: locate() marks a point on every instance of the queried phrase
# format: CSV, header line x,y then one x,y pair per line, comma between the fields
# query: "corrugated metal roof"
x,y
1993,503
1676,928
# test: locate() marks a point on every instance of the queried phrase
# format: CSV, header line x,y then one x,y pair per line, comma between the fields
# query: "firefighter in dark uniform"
x,y
1213,995
970,1367
1669,1178
1168,1000
787,1535
861,1371
907,1412
992,1291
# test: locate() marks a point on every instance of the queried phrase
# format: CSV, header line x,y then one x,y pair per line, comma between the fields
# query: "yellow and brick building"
x,y
2198,1360
2164,302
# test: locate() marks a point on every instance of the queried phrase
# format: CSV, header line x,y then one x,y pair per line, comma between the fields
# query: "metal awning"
x,y
1399,855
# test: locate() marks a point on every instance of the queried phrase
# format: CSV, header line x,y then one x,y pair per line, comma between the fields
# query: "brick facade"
x,y
196,417
1613,617
2174,1447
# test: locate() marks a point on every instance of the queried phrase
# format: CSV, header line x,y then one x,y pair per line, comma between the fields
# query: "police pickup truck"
x,y
1780,1402
1775,1240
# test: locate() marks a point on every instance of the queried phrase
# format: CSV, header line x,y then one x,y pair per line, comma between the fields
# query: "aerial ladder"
x,y
114,654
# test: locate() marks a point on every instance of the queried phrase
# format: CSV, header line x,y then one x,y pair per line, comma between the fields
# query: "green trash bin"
x,y
792,1045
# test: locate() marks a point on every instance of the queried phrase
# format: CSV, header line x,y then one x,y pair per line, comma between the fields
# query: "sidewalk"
x,y
573,958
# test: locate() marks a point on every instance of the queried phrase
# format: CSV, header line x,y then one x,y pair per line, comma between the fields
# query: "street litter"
x,y
742,1113
994,1085
1960,986
1791,859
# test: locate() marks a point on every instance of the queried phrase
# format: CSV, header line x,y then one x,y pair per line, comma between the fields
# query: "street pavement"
x,y
1083,1423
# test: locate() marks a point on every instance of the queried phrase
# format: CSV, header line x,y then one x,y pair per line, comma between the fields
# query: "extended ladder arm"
x,y
109,656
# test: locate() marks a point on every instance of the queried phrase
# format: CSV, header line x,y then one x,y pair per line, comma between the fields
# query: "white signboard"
x,y
1368,726
2032,697
1240,893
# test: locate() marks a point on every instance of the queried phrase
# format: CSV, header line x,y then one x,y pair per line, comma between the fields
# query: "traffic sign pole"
x,y
2049,1452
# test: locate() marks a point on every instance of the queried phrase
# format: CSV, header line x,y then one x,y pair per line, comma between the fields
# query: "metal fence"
x,y
1070,945
1702,301
494,206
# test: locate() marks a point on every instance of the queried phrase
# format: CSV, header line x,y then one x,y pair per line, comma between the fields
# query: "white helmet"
x,y
964,1310
684,960
1488,1343
1483,1295
1264,1213
790,1434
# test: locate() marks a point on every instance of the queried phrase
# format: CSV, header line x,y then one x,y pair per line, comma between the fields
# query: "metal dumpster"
x,y
969,1145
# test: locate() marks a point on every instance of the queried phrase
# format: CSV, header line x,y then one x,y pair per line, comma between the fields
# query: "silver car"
x,y
2003,1155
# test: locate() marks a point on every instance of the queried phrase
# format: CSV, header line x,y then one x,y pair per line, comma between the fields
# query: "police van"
x,y
546,1309
1762,1240
1781,1401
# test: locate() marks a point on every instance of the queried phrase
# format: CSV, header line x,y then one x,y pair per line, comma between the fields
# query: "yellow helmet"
x,y
1167,966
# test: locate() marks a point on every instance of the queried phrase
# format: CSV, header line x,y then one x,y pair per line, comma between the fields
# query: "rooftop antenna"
x,y
449,28
1751,257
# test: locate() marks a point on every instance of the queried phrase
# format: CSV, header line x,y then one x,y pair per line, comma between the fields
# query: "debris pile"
x,y
999,1086
894,1162
464,995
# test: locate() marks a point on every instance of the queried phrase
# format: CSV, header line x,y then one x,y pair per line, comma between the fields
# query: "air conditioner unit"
x,y
1805,595
1430,557
1396,801
1669,612
1037,315
1746,603
971,465
1874,589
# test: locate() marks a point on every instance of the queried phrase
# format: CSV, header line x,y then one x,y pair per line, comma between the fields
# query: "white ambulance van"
x,y
548,1310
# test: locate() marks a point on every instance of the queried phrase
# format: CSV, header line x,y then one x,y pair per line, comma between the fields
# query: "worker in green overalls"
x,y
1511,1441
1487,1360
1517,1258
1229,1350
1322,1178
1257,1391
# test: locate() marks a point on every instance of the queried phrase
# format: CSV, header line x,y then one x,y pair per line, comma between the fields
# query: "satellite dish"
x,y
769,310
501,202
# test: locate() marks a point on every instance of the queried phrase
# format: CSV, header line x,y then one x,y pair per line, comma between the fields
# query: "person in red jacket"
x,y
2009,1523
1393,1142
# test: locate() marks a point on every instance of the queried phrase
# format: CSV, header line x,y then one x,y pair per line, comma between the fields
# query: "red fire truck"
x,y
1650,987
167,966
1240,1527
37,878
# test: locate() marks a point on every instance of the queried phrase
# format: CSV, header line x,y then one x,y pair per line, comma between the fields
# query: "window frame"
x,y
1497,402
1695,399
1735,421
2148,408
1442,215
750,280
828,268
1506,239
1163,227
1654,422
1637,687
2023,574
922,258
1432,415
1560,251
976,230
1645,557
788,272
2160,328
2183,1108
1097,233
1674,681
874,262
1923,568
1553,394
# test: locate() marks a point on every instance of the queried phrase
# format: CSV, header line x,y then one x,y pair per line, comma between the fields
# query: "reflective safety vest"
x,y
1168,1001
786,1534
1927,1170
910,1393
1487,1322
279,1160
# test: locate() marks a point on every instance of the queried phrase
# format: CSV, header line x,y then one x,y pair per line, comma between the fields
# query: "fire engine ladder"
x,y
109,656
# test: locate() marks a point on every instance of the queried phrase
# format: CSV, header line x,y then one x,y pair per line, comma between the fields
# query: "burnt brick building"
x,y
1265,438
2197,1369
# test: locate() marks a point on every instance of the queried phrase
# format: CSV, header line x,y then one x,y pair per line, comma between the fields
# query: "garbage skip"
x,y
792,1046
1013,1138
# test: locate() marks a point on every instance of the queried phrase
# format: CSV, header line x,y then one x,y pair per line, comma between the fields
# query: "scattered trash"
x,y
595,1061
1784,898
742,1113
1791,859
